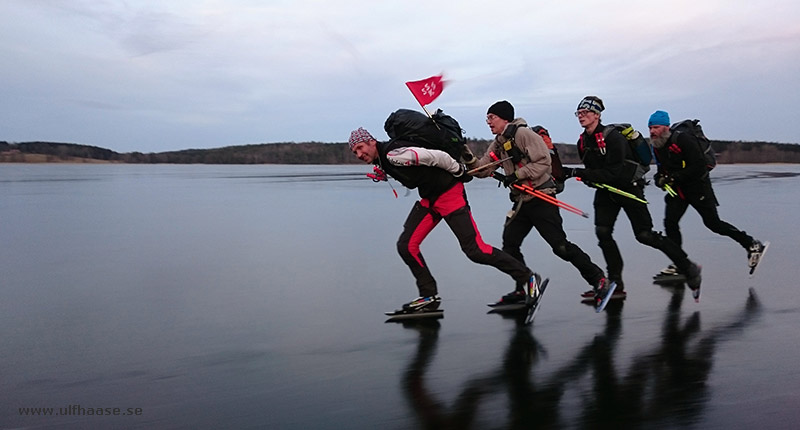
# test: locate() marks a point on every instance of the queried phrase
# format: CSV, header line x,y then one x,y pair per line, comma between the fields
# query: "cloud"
x,y
212,72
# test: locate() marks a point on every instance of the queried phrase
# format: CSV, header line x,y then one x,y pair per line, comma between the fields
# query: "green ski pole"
x,y
616,191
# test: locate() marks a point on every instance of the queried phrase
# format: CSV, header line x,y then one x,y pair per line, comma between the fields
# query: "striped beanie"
x,y
359,135
592,103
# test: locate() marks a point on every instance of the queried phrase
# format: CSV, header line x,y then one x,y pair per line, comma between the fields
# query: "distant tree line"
x,y
335,153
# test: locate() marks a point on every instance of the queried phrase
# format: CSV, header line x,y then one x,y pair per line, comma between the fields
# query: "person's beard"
x,y
660,141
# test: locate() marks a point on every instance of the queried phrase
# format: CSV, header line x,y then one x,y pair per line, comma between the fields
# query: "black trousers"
x,y
607,206
705,204
546,219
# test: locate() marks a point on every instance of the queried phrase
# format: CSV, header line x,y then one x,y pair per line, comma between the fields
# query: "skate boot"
x,y
619,292
671,270
515,297
603,292
693,280
754,254
534,293
423,304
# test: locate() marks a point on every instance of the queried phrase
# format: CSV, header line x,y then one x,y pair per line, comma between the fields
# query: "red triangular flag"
x,y
426,90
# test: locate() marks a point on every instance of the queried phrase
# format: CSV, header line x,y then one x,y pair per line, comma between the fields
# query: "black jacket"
x,y
682,159
612,168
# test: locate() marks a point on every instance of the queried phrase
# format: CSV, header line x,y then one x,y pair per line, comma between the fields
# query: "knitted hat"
x,y
502,109
591,103
359,135
659,117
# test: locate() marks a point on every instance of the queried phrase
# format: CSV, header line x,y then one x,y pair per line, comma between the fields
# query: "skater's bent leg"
x,y
710,216
608,245
668,247
606,211
418,225
514,234
674,210
549,224
463,226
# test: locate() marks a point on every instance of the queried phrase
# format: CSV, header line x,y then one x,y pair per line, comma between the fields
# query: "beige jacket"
x,y
534,168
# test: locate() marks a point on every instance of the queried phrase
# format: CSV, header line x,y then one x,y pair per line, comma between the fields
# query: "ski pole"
x,y
667,187
492,164
669,190
615,190
550,199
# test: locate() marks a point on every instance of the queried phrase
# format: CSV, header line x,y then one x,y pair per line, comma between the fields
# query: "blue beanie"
x,y
658,117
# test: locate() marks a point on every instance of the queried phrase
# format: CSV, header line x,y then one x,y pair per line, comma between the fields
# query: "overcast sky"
x,y
154,76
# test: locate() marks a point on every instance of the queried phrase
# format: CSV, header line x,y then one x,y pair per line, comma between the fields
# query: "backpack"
x,y
516,154
555,161
692,126
439,131
640,147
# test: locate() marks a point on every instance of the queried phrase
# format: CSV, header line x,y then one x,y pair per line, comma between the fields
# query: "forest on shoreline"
x,y
728,152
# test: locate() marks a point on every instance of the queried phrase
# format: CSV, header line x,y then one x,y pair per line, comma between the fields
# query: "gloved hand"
x,y
378,174
468,157
510,179
506,180
461,174
573,172
662,180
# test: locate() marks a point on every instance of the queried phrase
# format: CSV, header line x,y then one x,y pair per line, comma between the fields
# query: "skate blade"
x,y
602,305
534,307
401,315
763,253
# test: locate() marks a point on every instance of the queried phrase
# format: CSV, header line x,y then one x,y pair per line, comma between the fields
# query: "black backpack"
x,y
440,131
640,147
692,126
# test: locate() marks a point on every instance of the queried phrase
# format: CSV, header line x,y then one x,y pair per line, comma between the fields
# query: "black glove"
x,y
510,179
662,180
573,172
506,180
499,176
462,174
468,157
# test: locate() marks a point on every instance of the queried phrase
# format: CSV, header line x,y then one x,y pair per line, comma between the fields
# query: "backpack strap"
x,y
509,133
581,148
601,143
510,145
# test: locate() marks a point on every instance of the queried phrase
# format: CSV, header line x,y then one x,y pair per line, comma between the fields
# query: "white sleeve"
x,y
415,156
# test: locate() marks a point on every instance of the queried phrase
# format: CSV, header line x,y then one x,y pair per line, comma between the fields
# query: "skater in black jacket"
x,y
682,168
609,160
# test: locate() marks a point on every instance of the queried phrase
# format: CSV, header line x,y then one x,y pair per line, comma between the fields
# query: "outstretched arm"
x,y
416,156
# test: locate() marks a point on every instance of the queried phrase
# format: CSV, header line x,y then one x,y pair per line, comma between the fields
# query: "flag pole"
x,y
429,93
426,110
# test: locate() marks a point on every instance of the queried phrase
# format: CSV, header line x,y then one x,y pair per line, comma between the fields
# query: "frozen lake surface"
x,y
253,297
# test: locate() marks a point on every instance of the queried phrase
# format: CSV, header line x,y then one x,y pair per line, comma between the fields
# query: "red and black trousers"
x,y
452,206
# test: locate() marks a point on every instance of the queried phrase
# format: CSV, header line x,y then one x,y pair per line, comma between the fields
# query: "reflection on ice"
x,y
665,385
